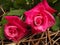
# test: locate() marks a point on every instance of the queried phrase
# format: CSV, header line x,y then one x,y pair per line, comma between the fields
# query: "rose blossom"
x,y
15,29
40,17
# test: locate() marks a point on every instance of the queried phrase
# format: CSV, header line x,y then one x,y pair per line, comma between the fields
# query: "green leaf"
x,y
1,33
53,1
16,12
3,21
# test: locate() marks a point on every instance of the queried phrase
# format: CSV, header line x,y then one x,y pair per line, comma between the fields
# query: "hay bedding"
x,y
46,38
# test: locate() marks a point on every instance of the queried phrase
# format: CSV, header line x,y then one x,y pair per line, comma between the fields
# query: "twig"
x,y
56,34
46,39
56,40
22,40
2,42
53,34
43,43
36,43
39,40
28,43
42,35
2,9
49,36
11,44
31,41
24,43
32,36
55,43
18,44
34,39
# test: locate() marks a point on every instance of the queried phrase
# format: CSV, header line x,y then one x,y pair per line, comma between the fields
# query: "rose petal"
x,y
47,7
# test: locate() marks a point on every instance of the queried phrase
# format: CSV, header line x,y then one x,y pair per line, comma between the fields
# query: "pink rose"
x,y
40,17
15,29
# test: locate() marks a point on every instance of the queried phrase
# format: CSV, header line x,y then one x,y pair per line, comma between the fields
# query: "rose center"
x,y
12,31
38,20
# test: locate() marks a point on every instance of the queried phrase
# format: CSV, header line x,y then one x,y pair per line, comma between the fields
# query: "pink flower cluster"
x,y
38,18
